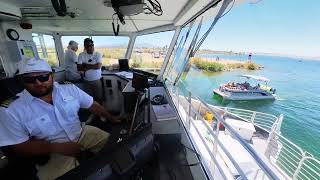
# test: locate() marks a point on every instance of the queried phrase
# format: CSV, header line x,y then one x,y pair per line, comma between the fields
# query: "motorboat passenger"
x,y
246,85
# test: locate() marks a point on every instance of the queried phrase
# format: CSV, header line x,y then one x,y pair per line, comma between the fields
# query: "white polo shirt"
x,y
94,58
71,60
29,117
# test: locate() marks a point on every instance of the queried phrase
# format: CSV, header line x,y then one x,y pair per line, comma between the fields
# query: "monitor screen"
x,y
139,81
123,65
28,52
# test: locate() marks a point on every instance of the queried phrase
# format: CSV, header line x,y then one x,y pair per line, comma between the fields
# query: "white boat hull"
x,y
244,96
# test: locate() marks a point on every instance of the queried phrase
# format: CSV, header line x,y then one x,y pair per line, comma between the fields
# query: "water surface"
x,y
297,83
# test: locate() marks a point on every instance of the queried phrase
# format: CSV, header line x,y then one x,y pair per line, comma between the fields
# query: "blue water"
x,y
297,83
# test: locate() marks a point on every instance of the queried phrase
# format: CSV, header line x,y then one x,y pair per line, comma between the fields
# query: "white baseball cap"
x,y
33,65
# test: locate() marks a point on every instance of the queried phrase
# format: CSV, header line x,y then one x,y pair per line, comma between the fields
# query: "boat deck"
x,y
204,143
238,153
263,154
246,162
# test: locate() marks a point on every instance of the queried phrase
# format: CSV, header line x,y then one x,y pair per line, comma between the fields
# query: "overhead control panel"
x,y
124,8
9,12
16,51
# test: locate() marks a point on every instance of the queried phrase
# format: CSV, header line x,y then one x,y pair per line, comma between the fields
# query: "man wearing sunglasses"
x,y
90,62
44,121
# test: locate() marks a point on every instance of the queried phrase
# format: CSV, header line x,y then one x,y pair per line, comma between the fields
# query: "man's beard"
x,y
41,94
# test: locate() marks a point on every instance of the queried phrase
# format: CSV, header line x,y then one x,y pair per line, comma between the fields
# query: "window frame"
x,y
59,66
168,52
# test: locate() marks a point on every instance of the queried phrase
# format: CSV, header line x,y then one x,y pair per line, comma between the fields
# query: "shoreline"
x,y
232,53
222,65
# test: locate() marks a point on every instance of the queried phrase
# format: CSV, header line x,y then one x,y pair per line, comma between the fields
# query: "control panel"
x,y
16,51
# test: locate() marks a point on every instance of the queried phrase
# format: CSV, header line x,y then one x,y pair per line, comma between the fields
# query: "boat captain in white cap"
x,y
44,120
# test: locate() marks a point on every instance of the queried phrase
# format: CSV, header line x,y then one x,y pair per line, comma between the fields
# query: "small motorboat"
x,y
246,91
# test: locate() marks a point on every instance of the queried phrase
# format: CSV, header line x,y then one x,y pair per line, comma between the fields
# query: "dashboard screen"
x,y
28,51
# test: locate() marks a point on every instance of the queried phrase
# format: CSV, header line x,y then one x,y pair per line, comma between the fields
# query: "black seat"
x,y
19,167
9,88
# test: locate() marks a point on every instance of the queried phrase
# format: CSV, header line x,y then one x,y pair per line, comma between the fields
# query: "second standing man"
x,y
90,62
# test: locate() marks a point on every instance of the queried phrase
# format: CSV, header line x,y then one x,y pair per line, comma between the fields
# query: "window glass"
x,y
181,52
46,48
150,50
112,48
260,38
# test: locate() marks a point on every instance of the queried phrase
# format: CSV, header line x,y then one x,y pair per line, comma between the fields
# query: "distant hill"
x,y
209,51
138,45
288,55
112,46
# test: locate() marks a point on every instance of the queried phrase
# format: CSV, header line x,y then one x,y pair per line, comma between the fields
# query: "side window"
x,y
150,50
46,48
112,48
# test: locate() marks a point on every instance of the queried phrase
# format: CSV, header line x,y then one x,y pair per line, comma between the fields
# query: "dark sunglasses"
x,y
89,45
41,78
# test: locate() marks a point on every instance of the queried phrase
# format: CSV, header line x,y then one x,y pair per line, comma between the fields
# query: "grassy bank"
x,y
146,59
224,65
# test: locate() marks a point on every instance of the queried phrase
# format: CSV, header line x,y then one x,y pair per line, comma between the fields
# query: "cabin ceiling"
x,y
93,17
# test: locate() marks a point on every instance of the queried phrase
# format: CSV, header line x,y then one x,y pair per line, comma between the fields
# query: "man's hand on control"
x,y
117,119
99,110
112,119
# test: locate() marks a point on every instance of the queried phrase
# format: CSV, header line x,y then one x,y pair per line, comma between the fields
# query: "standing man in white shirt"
x,y
44,120
71,60
90,62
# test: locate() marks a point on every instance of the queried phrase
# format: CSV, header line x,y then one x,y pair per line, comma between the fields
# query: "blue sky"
x,y
99,41
289,27
160,40
277,26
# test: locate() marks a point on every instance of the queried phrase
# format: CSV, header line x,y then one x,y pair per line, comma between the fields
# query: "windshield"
x,y
149,55
274,39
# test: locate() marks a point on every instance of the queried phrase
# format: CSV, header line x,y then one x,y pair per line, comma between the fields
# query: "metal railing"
x,y
188,121
263,120
189,114
289,159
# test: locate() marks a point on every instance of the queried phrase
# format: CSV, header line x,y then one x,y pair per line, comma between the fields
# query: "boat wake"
x,y
280,99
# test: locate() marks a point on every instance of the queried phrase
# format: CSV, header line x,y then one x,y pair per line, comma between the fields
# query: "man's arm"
x,y
41,147
93,66
87,102
81,67
98,64
99,110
